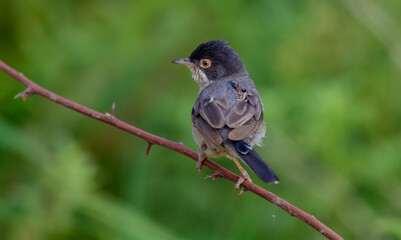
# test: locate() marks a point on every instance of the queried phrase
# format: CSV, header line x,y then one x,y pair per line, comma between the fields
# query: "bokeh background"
x,y
329,76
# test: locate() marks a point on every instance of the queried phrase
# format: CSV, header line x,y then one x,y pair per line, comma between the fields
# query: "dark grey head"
x,y
213,60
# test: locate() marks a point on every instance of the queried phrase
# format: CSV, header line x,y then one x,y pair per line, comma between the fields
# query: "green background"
x,y
329,76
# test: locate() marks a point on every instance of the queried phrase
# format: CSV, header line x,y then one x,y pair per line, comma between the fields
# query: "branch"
x,y
220,172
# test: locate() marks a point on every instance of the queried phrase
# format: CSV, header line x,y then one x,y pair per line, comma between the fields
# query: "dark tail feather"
x,y
255,162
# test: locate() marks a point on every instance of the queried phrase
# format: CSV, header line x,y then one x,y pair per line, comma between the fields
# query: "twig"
x,y
148,149
33,88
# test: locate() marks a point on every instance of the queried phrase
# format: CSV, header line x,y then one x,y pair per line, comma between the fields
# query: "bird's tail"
x,y
251,158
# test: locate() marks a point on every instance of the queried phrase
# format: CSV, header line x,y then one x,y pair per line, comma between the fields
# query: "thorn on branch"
x,y
113,106
148,149
25,94
216,175
110,115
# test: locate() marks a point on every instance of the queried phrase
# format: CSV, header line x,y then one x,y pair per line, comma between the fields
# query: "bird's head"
x,y
211,61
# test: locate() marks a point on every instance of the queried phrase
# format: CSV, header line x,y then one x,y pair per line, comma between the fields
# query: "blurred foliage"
x,y
328,80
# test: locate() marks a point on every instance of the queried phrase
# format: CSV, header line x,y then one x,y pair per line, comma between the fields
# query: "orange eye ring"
x,y
205,63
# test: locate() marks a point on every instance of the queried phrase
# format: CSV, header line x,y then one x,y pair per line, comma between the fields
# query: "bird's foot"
x,y
201,157
244,176
215,175
199,164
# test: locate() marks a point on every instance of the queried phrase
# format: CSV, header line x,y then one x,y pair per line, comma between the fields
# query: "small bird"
x,y
227,117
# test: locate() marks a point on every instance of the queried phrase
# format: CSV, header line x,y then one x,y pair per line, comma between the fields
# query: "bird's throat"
x,y
200,77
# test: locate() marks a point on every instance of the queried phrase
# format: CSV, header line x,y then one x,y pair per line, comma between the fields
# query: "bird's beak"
x,y
183,61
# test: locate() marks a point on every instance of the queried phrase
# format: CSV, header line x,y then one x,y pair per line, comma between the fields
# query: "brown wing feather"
x,y
213,115
245,116
255,102
243,131
239,114
207,131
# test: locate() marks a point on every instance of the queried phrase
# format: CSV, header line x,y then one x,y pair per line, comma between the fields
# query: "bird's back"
x,y
231,107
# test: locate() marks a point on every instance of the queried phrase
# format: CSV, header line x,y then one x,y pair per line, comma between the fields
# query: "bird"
x,y
227,117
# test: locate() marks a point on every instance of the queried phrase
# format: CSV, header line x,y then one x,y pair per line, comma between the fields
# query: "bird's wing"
x,y
242,118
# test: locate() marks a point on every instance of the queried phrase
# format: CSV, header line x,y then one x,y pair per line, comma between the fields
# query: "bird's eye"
x,y
206,63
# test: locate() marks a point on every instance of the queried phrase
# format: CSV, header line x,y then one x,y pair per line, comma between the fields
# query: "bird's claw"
x,y
201,158
241,192
199,165
244,176
216,175
239,182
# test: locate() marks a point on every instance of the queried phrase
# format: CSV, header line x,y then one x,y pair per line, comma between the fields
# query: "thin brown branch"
x,y
33,88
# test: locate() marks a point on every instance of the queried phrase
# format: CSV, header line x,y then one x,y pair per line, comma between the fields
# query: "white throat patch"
x,y
200,77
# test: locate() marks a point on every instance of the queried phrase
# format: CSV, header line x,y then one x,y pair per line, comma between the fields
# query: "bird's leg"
x,y
199,164
201,157
244,175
